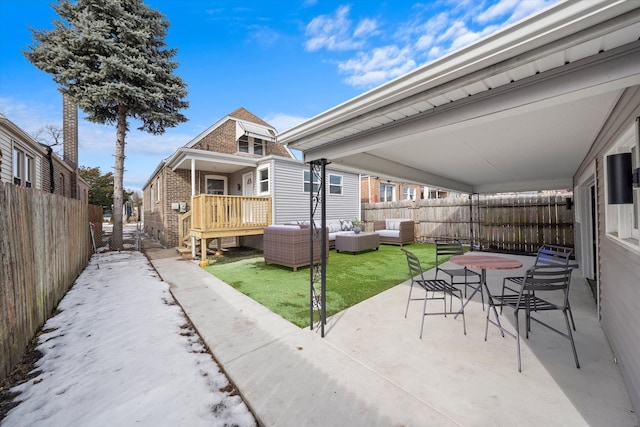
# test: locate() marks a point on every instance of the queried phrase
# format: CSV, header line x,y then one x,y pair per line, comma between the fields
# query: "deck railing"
x,y
211,212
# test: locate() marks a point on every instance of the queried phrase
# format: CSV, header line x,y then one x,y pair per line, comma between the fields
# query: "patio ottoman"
x,y
357,242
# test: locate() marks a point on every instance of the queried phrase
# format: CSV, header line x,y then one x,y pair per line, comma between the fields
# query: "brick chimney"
x,y
70,139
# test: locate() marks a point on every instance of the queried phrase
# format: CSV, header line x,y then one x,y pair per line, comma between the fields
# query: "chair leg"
x,y
570,335
464,322
518,342
503,283
424,312
408,300
571,315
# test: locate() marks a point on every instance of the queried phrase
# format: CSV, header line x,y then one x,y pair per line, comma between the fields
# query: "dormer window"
x,y
243,144
251,145
258,146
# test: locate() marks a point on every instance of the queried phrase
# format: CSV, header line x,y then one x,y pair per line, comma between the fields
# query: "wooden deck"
x,y
215,217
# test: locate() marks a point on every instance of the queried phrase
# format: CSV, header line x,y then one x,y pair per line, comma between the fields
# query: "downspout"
x,y
193,193
52,182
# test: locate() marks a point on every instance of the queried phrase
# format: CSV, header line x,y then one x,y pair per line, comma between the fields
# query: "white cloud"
x,y
421,36
366,27
264,36
501,8
334,32
283,121
527,8
382,64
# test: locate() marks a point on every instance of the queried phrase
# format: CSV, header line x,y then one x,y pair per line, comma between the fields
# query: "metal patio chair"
x,y
538,282
449,248
430,285
548,255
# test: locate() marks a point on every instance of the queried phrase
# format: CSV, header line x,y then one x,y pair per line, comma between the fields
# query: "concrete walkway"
x,y
371,369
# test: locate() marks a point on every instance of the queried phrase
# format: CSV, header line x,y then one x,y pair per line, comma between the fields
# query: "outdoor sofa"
x,y
394,231
334,227
289,245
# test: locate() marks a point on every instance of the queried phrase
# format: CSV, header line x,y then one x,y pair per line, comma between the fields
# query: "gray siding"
x,y
618,266
291,203
6,160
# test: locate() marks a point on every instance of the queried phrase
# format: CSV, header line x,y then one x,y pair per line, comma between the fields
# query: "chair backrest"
x,y
447,248
542,278
553,255
414,264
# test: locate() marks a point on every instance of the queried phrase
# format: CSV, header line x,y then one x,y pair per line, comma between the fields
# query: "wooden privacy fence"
x,y
517,224
44,246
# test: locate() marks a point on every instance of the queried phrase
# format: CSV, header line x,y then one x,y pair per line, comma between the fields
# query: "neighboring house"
x,y
26,162
543,104
233,180
22,158
374,189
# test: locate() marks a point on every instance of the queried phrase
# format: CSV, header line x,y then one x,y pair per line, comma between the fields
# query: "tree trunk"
x,y
118,175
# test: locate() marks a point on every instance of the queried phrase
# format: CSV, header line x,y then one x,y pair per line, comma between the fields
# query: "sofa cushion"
x,y
392,224
346,225
283,227
388,233
333,227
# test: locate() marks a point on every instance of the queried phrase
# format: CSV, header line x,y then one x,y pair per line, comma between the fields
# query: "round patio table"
x,y
484,263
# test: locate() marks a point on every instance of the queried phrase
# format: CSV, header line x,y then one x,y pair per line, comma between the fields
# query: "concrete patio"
x,y
372,368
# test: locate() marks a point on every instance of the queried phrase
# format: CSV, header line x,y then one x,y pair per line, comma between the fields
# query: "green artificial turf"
x,y
350,279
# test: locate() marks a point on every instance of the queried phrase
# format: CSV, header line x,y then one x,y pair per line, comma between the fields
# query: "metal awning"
x,y
254,130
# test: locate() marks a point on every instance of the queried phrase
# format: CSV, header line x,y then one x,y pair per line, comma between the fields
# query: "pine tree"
x,y
110,57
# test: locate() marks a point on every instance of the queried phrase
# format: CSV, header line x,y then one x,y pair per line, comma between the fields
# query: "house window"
x,y
387,192
63,185
151,195
263,180
29,164
216,184
243,144
258,146
622,220
158,189
409,193
307,182
24,167
335,184
18,167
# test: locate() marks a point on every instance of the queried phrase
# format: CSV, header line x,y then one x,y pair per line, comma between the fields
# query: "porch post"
x,y
193,193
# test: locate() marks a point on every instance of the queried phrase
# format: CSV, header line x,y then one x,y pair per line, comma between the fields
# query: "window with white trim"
x,y
335,184
258,146
409,193
622,220
387,192
306,182
23,167
243,144
151,196
263,180
18,166
216,184
158,189
251,145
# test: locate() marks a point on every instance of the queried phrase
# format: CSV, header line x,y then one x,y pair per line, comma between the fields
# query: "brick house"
x,y
240,161
374,189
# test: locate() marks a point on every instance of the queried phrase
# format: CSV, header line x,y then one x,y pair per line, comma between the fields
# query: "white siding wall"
x,y
292,204
7,156
619,266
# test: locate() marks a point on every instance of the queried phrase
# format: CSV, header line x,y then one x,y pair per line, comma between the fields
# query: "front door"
x,y
247,184
247,191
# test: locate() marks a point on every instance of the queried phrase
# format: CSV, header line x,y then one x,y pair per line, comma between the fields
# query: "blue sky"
x,y
284,61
